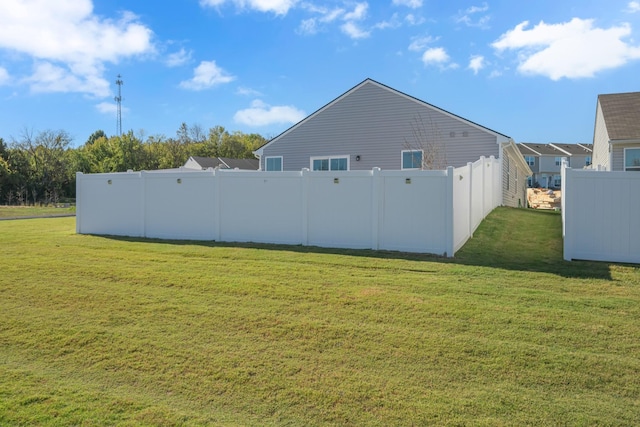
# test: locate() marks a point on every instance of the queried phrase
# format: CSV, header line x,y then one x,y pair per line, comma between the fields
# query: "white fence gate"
x,y
414,211
601,215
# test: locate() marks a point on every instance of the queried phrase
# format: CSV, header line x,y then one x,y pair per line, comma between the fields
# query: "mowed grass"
x,y
31,211
115,331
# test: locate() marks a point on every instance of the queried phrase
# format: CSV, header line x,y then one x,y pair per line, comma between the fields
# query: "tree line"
x,y
40,168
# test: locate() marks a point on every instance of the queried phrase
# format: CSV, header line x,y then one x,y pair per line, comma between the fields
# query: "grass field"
x,y
116,331
32,211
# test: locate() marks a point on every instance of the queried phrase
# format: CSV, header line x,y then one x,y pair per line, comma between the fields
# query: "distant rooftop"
x,y
554,149
621,112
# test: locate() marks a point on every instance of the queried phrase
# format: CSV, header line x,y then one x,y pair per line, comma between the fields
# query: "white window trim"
x,y
531,160
274,157
624,158
341,156
402,158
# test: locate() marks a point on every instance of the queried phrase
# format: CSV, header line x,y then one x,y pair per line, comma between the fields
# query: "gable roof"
x,y
554,149
621,112
226,163
500,136
529,148
206,162
573,149
247,164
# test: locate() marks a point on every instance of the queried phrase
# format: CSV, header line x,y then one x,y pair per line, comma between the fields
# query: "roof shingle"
x,y
621,112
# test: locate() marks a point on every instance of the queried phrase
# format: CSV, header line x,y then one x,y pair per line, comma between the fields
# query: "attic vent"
x,y
452,134
465,133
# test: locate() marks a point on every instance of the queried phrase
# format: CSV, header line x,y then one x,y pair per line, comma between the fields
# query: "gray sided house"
x,y
373,125
545,161
616,136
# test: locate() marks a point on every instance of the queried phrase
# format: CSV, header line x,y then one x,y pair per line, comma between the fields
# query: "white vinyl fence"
x,y
414,211
601,215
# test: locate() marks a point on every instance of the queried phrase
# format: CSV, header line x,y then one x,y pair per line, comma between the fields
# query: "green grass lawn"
x,y
30,211
116,331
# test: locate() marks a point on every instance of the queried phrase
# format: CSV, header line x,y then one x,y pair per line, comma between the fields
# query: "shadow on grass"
x,y
510,239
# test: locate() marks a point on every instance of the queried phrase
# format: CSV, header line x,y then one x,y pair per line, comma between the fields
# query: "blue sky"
x,y
528,69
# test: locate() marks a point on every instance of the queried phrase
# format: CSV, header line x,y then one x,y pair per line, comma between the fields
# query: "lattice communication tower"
x,y
118,100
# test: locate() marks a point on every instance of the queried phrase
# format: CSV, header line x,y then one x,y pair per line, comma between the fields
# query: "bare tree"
x,y
426,137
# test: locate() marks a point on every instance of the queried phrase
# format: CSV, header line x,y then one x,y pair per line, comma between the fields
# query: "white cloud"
x,y
438,56
109,108
418,44
4,76
358,14
207,75
308,27
572,49
66,37
178,58
411,19
394,22
435,55
261,114
471,18
354,31
350,26
245,91
476,63
279,7
413,4
47,77
633,7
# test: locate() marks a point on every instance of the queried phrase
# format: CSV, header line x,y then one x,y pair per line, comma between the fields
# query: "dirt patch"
x,y
542,198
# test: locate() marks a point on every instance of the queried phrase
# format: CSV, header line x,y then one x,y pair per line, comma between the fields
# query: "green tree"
x,y
94,136
46,172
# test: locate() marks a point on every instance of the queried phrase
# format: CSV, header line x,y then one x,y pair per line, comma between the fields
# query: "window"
x,y
273,163
529,181
557,181
632,159
587,161
411,159
531,161
558,161
330,163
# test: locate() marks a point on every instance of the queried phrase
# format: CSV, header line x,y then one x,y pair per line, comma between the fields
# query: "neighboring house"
x,y
616,136
373,125
204,163
545,161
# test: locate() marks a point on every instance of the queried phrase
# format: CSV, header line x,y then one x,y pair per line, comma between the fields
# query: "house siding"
x,y
514,181
377,124
600,141
577,161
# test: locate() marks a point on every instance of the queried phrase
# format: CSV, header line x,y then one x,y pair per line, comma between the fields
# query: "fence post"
x,y
496,182
217,206
143,201
567,212
470,207
375,208
304,176
448,211
79,198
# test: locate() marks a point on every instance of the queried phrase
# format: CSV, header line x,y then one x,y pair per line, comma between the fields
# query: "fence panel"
x,y
416,215
264,207
416,211
340,209
110,204
601,219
